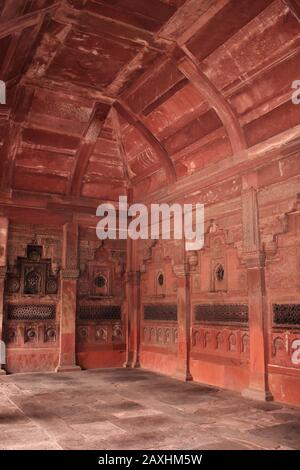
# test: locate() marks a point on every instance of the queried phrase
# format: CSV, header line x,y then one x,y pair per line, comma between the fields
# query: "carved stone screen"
x,y
99,312
286,314
160,312
221,313
30,312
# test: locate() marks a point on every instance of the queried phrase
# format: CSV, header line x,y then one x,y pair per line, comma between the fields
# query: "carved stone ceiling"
x,y
103,93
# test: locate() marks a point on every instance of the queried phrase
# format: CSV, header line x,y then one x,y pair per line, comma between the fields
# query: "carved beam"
x,y
87,147
208,91
139,124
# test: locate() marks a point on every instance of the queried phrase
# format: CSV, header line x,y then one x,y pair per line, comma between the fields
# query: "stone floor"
x,y
135,409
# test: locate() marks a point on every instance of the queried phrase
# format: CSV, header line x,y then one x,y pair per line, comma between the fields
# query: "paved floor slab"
x,y
136,409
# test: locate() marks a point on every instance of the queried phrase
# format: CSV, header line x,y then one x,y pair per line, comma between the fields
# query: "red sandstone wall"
x,y
100,313
159,335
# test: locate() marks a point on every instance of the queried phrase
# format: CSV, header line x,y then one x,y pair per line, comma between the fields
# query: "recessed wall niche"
x,y
160,283
32,275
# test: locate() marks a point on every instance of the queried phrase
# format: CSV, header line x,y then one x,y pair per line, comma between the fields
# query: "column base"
x,y
131,365
68,368
183,376
259,395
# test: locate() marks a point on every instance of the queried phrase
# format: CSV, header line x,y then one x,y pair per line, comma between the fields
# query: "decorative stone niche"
x,y
32,275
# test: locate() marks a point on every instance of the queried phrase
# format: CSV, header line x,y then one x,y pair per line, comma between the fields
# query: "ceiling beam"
x,y
86,147
118,135
294,6
138,123
25,21
190,69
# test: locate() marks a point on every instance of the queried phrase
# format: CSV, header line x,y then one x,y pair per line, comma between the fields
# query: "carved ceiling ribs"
x,y
192,81
216,100
139,124
86,147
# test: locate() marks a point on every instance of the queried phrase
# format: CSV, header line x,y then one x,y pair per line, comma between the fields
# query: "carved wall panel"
x,y
285,348
220,340
163,336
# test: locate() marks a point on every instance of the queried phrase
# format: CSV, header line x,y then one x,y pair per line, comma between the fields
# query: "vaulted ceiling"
x,y
108,94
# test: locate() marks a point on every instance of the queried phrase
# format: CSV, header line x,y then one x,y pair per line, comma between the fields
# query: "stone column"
x,y
3,269
257,300
68,297
133,327
184,321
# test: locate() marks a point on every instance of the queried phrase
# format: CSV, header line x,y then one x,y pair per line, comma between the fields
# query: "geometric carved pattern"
x,y
99,312
30,312
160,312
286,314
237,313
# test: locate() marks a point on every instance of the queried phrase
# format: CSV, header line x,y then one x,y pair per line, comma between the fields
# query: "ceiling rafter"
x,y
86,147
188,66
139,124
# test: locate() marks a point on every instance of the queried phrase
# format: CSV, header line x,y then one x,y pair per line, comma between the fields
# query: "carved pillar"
x,y
3,269
68,293
184,321
257,300
133,323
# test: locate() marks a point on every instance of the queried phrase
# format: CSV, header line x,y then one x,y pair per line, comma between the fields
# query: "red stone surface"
x,y
163,101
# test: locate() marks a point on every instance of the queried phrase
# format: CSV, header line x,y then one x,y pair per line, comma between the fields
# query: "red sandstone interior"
x,y
162,101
